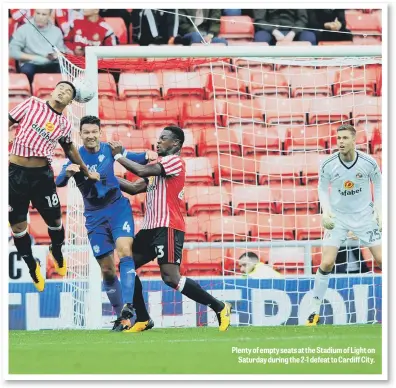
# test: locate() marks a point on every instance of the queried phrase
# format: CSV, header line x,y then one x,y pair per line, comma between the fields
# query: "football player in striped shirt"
x,y
41,125
162,233
348,208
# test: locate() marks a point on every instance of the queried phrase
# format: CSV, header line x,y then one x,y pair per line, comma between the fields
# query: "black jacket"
x,y
318,17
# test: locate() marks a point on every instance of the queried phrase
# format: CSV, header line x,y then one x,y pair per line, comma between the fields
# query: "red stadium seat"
x,y
107,86
297,200
184,84
136,202
195,229
310,162
326,110
284,111
369,111
248,63
306,138
376,142
225,86
274,227
352,80
203,261
366,40
158,113
132,140
363,23
252,198
201,113
245,112
258,140
11,65
233,228
221,140
279,169
116,113
309,227
202,199
287,260
119,28
199,171
264,83
18,86
44,84
236,169
378,82
140,85
189,144
312,83
236,28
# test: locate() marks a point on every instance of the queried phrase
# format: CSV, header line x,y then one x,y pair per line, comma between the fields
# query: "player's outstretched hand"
x,y
116,147
71,169
327,221
93,175
151,155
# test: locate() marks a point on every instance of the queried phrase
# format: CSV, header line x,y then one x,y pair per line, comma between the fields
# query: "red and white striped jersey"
x,y
164,195
39,128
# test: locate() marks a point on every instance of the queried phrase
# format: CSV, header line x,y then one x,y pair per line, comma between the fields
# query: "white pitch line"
x,y
125,336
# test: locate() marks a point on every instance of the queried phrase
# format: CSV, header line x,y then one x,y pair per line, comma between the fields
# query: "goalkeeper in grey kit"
x,y
349,207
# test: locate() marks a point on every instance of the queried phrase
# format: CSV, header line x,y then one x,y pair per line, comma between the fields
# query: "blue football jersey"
x,y
96,195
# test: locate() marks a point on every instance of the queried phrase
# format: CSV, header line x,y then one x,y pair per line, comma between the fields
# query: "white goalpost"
x,y
258,122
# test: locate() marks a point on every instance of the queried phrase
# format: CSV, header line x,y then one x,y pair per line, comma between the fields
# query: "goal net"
x,y
257,122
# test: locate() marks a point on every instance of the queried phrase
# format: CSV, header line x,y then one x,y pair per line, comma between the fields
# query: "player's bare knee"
x,y
19,228
108,273
124,246
170,280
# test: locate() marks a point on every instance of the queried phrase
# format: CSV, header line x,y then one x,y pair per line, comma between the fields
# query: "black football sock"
x,y
138,302
195,292
57,240
23,244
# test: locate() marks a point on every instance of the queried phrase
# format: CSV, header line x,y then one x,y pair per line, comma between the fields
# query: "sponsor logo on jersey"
x,y
44,132
49,127
348,185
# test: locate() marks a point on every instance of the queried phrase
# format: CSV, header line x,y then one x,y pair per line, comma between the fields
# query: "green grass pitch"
x,y
195,351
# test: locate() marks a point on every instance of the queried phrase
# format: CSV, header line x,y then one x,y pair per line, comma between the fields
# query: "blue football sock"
x,y
127,276
113,291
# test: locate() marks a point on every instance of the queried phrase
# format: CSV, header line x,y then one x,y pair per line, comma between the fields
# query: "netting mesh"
x,y
256,131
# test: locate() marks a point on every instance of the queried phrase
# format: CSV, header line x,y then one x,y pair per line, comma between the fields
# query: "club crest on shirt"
x,y
100,158
49,127
348,185
359,175
95,36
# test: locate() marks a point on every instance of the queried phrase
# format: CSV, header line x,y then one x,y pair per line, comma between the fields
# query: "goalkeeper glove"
x,y
378,218
327,220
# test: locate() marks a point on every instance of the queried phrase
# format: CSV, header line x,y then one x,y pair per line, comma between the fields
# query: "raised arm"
x,y
133,188
72,153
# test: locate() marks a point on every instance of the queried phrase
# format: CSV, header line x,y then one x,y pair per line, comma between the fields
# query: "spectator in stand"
x,y
332,20
19,17
291,19
33,53
64,18
231,12
157,27
250,266
117,13
90,31
206,20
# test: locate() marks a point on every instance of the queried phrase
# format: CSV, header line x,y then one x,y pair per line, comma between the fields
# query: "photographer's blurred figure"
x,y
250,265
